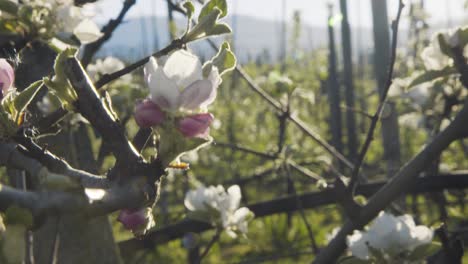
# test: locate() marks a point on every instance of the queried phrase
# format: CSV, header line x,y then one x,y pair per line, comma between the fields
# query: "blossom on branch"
x,y
7,77
180,84
393,236
180,89
220,208
138,221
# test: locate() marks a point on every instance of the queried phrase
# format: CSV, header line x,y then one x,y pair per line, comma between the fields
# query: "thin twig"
x,y
107,31
304,171
313,243
358,111
244,149
299,123
383,96
213,240
107,78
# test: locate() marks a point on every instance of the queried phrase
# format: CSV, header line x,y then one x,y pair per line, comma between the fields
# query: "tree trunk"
x,y
390,132
348,84
333,91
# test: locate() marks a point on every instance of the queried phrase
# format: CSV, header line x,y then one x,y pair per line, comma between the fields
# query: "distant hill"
x,y
137,37
252,37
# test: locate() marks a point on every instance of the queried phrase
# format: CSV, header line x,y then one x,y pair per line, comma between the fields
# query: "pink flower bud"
x,y
196,125
148,114
133,219
7,76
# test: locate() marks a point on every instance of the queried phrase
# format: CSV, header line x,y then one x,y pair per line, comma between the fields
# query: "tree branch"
x,y
383,97
403,181
91,106
107,78
425,184
107,30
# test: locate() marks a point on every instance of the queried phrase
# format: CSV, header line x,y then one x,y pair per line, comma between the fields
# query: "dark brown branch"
x,y
130,195
383,98
107,31
91,106
289,204
401,183
461,64
31,158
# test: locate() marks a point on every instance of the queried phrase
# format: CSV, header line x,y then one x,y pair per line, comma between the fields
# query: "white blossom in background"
x,y
433,58
65,19
219,207
393,235
413,120
107,65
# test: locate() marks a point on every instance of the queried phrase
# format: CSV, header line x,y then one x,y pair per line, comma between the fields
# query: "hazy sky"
x,y
314,12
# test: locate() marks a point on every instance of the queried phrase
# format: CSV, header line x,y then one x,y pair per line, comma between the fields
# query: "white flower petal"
x,y
194,200
163,90
87,31
235,196
422,235
198,95
183,68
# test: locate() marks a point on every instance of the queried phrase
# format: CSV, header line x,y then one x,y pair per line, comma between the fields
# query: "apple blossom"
x,y
225,204
7,77
107,65
138,221
391,234
181,89
196,125
148,114
64,19
180,84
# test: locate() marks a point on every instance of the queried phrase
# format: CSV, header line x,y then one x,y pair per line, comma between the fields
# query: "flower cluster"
x,y
433,56
59,18
219,207
392,236
7,77
181,92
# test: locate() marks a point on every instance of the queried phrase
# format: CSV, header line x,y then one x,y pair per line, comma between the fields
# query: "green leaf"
x,y
59,84
8,7
353,260
219,29
444,46
424,251
225,61
210,6
190,9
204,25
23,99
428,76
463,35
